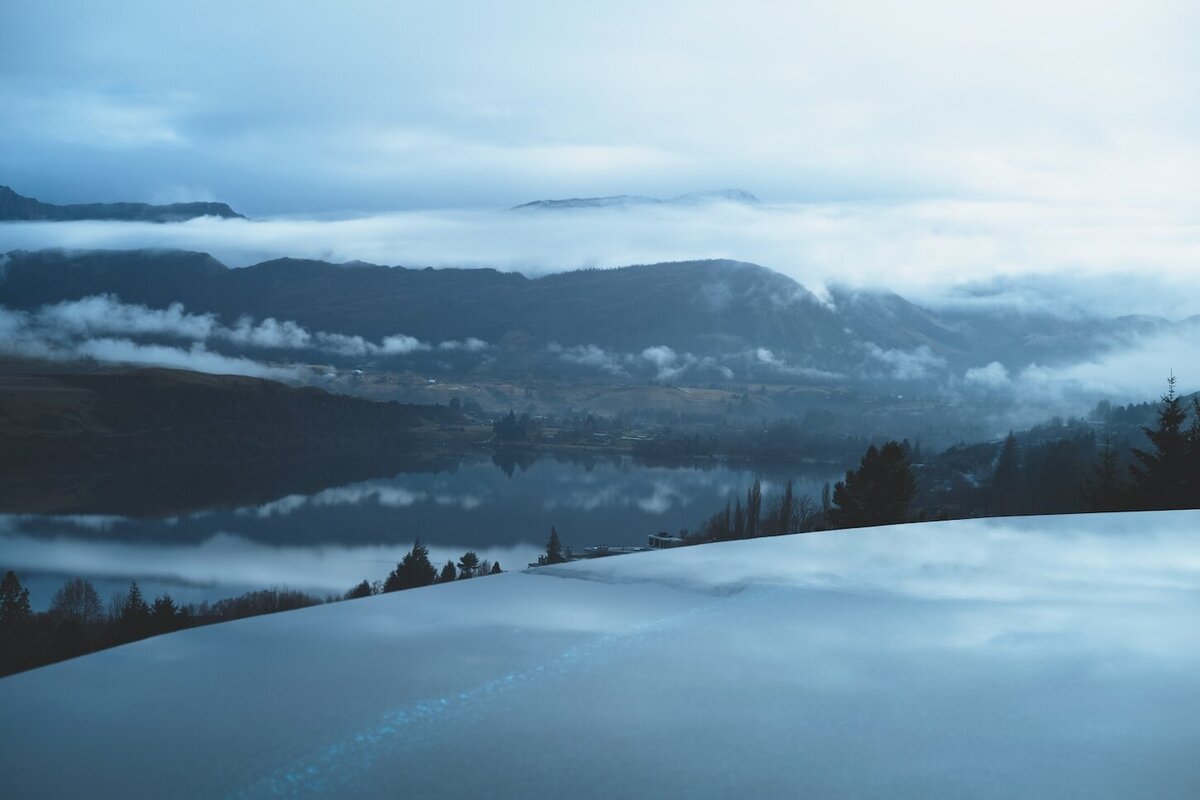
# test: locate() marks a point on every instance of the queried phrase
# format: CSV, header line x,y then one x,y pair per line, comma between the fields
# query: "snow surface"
x,y
1034,657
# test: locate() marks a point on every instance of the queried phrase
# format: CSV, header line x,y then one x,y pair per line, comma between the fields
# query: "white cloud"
x,y
100,327
915,364
1088,257
470,345
991,376
590,355
196,358
401,344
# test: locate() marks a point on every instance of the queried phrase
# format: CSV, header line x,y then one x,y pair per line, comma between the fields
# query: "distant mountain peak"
x,y
17,207
626,200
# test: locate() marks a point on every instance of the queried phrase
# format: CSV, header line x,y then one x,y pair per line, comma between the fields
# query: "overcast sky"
x,y
300,107
914,146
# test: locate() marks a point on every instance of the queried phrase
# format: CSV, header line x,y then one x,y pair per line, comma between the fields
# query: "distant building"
x,y
663,540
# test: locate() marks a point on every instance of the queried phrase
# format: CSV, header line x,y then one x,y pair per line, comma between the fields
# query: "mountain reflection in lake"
x,y
327,541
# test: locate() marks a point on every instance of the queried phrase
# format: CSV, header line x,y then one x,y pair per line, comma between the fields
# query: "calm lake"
x,y
327,541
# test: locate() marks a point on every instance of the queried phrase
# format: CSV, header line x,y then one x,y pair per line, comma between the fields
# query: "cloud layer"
x,y
1025,256
103,328
856,100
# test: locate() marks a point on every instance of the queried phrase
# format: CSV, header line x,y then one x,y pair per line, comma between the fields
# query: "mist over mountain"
x,y
696,322
14,206
626,200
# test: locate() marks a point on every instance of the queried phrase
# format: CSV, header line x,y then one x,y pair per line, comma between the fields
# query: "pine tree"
x,y
134,622
554,549
413,571
363,589
135,605
467,565
15,613
1162,479
1194,447
1103,490
878,492
449,573
496,569
163,614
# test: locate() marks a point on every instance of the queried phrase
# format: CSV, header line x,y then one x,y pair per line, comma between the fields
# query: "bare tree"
x,y
77,600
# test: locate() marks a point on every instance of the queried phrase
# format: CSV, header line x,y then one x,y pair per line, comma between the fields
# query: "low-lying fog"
x,y
326,542
1067,260
1060,258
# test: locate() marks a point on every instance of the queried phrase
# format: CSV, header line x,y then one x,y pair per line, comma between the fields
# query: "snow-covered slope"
x,y
1037,657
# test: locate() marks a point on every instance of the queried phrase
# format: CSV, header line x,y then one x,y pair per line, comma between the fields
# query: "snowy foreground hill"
x,y
1036,657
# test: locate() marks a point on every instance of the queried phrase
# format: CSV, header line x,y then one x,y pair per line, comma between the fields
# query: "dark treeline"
x,y
1060,467
416,570
78,622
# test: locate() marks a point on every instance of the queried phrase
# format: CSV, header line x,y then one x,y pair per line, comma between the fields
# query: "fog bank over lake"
x,y
327,541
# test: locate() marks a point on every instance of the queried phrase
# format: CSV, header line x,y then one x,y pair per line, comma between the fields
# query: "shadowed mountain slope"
x,y
14,206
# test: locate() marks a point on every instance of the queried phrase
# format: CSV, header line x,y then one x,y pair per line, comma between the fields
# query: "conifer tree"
x,y
413,571
15,613
163,614
467,565
16,625
1162,478
554,549
449,573
739,521
1194,448
878,492
1103,490
134,622
496,569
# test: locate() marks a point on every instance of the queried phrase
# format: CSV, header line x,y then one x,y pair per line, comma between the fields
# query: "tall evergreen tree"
x,y
1162,478
554,549
468,565
16,626
164,614
413,571
134,622
496,569
1103,489
878,492
15,613
449,573
1194,447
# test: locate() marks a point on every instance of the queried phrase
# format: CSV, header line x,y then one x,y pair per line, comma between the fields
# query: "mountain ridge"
x,y
626,200
715,317
15,207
